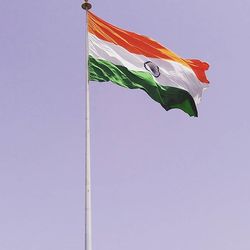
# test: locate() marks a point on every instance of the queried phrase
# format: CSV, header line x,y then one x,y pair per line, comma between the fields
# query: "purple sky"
x,y
161,180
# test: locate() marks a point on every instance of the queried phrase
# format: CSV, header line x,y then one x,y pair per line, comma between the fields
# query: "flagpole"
x,y
88,218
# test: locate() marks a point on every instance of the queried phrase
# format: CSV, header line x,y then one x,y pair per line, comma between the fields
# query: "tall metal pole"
x,y
88,218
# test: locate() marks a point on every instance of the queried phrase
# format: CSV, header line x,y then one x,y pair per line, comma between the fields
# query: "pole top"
x,y
86,5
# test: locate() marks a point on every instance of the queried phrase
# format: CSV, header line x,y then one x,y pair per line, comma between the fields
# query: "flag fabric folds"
x,y
138,62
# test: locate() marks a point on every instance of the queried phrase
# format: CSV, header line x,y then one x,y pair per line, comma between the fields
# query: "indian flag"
x,y
138,62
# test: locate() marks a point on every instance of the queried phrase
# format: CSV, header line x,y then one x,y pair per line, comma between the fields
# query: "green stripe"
x,y
168,97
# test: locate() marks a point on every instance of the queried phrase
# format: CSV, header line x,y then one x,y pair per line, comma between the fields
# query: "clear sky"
x,y
161,180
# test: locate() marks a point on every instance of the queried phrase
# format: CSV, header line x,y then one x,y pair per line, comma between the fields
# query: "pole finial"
x,y
86,5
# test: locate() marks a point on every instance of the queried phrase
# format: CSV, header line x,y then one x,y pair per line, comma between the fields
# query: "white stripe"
x,y
172,74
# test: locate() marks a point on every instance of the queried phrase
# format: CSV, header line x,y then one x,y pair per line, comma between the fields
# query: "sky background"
x,y
161,180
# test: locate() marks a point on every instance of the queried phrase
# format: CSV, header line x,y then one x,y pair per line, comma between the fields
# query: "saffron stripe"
x,y
141,45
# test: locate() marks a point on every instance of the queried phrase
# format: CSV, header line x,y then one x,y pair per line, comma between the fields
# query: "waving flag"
x,y
138,62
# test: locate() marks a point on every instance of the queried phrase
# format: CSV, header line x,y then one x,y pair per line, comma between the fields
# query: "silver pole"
x,y
88,216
